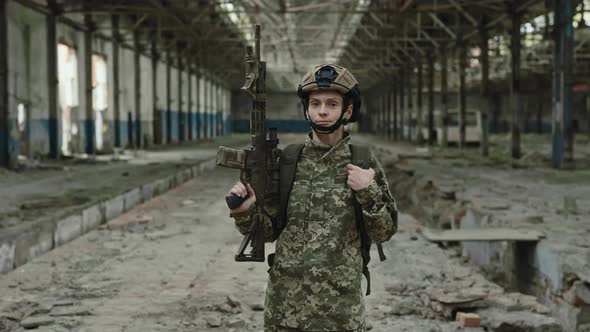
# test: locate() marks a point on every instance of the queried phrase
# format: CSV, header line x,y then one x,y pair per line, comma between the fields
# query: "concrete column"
x,y
116,76
198,110
168,97
389,109
156,114
207,96
216,108
5,157
402,106
462,102
89,121
181,115
515,47
410,103
431,100
444,95
568,55
563,135
52,81
540,110
211,110
485,87
207,107
383,111
420,135
189,107
219,116
395,107
137,88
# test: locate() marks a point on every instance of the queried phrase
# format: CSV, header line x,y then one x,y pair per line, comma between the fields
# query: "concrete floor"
x,y
167,264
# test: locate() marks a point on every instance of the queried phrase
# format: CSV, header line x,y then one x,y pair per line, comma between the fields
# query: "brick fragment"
x,y
466,319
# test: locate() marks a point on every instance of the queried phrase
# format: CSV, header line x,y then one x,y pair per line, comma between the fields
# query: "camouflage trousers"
x,y
276,328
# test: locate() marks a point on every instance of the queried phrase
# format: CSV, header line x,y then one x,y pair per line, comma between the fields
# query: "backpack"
x,y
361,156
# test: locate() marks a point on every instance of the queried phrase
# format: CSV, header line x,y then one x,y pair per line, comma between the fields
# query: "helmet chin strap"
x,y
327,130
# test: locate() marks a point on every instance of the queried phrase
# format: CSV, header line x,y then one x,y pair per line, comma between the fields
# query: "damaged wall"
x,y
27,84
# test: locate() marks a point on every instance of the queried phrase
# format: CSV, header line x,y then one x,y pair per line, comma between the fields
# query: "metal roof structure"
x,y
376,38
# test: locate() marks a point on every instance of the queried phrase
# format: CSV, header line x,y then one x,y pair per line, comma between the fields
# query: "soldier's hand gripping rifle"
x,y
258,164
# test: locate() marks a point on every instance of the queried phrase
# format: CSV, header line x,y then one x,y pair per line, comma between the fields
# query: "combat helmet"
x,y
331,77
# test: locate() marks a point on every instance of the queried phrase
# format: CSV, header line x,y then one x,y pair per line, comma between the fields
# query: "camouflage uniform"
x,y
315,282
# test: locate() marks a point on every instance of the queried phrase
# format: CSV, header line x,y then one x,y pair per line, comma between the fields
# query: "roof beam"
x,y
470,18
442,25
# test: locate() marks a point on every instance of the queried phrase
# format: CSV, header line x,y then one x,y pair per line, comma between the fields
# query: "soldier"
x,y
315,278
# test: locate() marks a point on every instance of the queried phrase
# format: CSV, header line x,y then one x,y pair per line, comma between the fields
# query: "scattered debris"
x,y
236,322
570,206
36,321
233,302
535,220
70,311
482,234
257,307
213,320
468,319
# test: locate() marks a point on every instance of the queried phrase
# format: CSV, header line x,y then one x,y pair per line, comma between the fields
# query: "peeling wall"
x,y
28,85
27,70
146,100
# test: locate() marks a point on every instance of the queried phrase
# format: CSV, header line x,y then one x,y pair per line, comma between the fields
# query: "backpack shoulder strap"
x,y
361,157
287,169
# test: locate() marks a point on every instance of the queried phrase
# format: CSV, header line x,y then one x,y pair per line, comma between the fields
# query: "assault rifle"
x,y
258,164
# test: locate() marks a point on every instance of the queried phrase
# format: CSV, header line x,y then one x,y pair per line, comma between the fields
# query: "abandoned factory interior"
x,y
241,165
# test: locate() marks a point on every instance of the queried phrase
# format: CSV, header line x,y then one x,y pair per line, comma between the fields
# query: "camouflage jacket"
x,y
315,282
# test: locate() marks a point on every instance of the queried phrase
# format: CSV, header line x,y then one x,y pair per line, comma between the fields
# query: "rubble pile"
x,y
418,195
62,315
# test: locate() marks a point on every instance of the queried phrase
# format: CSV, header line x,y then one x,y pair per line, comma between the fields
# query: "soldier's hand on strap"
x,y
359,178
240,190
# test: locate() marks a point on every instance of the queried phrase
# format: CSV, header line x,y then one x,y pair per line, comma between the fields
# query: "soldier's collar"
x,y
310,142
326,149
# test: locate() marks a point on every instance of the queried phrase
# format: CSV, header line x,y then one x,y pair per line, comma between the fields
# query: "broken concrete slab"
x,y
36,321
482,234
213,319
62,311
517,321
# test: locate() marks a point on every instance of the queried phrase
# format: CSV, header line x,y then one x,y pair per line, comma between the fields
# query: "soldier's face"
x,y
325,107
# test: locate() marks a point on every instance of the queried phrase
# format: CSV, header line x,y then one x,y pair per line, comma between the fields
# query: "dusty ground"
x,y
54,189
167,265
438,186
